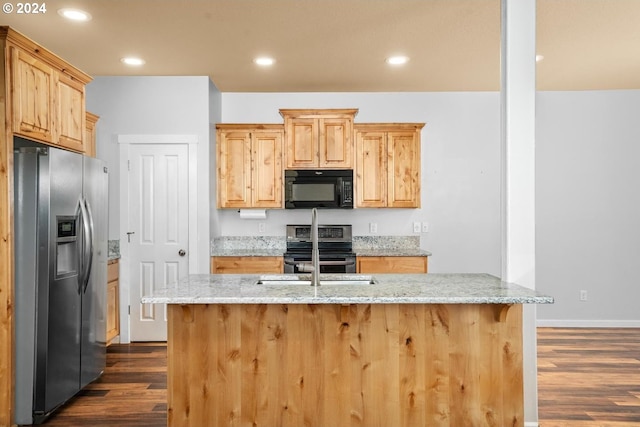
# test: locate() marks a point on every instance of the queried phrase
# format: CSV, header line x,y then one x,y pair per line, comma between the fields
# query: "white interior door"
x,y
159,227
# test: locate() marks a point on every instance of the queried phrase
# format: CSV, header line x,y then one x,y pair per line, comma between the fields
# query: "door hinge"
x,y
129,310
129,165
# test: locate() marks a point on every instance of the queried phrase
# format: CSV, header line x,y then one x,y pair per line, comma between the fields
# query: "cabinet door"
x,y
392,264
403,157
266,173
302,143
247,265
33,97
234,169
113,305
371,170
70,113
335,143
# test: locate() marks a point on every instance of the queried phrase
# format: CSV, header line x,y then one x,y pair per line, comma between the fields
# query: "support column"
x,y
518,87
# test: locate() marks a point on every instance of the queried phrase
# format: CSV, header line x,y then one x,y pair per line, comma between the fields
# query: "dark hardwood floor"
x,y
132,391
586,378
589,377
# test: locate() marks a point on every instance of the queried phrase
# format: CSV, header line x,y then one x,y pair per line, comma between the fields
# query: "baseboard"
x,y
557,323
531,424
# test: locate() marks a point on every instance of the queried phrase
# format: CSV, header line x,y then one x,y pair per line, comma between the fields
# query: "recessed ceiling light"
x,y
397,60
264,61
130,60
75,14
539,58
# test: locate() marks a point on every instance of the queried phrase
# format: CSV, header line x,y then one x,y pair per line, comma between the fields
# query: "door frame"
x,y
125,142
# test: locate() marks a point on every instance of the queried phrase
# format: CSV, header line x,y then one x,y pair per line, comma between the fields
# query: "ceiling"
x,y
341,45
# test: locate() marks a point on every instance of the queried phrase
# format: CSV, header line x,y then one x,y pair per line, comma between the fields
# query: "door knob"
x,y
181,252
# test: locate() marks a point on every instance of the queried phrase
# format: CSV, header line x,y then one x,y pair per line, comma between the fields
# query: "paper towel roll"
x,y
253,213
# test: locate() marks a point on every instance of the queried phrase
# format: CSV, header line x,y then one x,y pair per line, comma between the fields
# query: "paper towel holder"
x,y
253,213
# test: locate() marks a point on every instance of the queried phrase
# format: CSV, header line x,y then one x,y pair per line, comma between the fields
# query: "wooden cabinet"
x,y
33,87
246,264
249,168
113,300
70,117
391,264
90,134
388,165
29,85
48,95
319,138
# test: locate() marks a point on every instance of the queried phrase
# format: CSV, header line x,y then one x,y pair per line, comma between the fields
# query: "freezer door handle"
x,y
87,224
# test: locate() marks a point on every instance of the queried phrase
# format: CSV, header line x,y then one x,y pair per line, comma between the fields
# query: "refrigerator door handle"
x,y
87,224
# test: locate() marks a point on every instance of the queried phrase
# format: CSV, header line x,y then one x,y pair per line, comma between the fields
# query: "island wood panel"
x,y
391,264
248,265
337,365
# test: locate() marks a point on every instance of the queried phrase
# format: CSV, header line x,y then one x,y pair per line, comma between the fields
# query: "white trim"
x,y
157,139
531,424
559,323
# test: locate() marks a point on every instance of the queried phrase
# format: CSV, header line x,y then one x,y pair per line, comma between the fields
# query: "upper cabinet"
x,y
47,94
33,87
90,134
70,118
388,165
319,138
249,170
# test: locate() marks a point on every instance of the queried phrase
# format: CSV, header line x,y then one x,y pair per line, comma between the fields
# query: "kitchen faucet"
x,y
314,268
315,252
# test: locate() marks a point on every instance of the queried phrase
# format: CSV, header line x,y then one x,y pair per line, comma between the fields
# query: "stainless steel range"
x,y
334,244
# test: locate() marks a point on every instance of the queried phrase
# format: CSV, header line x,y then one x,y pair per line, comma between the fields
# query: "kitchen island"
x,y
407,350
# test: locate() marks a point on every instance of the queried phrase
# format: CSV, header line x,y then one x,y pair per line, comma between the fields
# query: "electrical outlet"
x,y
261,227
425,227
373,227
416,227
583,295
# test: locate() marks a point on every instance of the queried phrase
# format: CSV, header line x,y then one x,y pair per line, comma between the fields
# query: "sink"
x,y
330,280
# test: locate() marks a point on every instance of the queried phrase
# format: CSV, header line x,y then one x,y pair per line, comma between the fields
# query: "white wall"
x,y
588,207
154,106
460,171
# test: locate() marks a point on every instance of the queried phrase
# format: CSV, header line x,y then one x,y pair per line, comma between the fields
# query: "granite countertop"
x,y
389,289
280,252
251,246
248,252
391,252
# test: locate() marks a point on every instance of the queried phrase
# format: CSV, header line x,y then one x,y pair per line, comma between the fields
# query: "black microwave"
x,y
318,188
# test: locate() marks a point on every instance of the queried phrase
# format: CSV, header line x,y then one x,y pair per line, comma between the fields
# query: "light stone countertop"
x,y
248,252
391,252
389,289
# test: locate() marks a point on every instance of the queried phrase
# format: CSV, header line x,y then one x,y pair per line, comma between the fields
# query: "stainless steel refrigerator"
x,y
60,224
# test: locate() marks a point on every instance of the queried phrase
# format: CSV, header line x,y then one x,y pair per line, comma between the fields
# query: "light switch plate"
x,y
425,227
416,227
373,227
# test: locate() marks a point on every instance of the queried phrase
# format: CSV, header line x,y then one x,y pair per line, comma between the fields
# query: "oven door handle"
x,y
291,261
352,262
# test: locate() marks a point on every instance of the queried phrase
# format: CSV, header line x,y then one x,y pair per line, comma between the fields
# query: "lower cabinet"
x,y
113,305
391,264
247,264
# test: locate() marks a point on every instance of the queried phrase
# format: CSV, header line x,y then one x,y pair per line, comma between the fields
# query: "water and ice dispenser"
x,y
67,249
